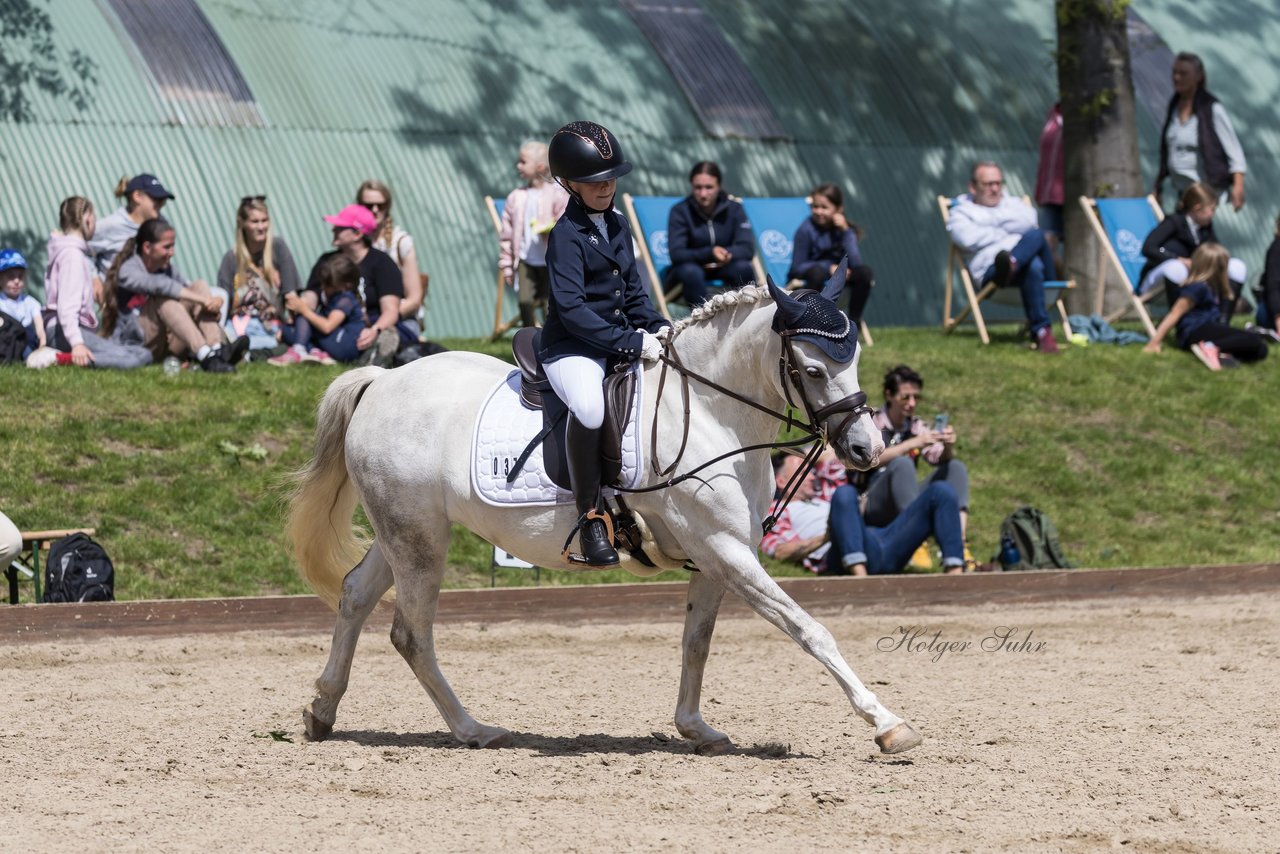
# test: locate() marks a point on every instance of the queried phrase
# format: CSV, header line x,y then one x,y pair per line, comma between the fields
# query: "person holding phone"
x,y
892,487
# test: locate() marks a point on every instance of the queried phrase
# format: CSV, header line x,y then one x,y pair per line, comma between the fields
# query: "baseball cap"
x,y
11,258
354,216
148,184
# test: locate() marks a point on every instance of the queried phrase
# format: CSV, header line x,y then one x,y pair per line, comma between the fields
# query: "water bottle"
x,y
1010,557
172,366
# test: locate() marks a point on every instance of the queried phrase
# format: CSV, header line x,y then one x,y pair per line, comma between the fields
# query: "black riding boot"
x,y
583,450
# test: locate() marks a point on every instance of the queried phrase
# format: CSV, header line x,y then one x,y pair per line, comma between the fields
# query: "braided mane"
x,y
723,302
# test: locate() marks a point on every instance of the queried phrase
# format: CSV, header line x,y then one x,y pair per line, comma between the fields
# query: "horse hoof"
x,y
316,729
900,739
719,747
492,739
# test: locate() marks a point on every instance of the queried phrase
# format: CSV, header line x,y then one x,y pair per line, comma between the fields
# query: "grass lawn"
x,y
1140,460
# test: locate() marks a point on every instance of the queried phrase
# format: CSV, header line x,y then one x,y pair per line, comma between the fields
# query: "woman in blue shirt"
x,y
822,241
598,313
1197,314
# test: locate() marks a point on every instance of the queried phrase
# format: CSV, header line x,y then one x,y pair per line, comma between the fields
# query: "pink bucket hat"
x,y
354,216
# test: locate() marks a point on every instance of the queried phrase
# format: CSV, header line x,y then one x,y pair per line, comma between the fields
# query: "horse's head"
x,y
820,365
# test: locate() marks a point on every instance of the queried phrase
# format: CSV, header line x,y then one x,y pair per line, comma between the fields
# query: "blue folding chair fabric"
x,y
652,213
1127,223
499,205
775,221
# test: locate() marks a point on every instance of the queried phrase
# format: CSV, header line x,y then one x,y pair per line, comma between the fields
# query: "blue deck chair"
x,y
500,326
955,265
1121,226
775,221
648,216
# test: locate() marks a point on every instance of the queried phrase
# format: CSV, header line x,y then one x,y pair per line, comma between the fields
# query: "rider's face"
x,y
598,194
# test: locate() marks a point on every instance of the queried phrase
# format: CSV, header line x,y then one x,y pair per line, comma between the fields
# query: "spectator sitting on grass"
x,y
1169,246
147,298
375,197
72,288
383,286
1268,291
1002,243
257,274
17,303
832,538
1198,315
892,487
338,320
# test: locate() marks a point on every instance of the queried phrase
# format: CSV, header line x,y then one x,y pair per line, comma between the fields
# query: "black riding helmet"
x,y
586,152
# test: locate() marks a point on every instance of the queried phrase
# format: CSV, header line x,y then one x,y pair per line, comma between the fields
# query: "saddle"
x,y
536,393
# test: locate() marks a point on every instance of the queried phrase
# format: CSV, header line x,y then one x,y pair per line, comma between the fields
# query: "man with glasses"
x,y
1002,243
892,487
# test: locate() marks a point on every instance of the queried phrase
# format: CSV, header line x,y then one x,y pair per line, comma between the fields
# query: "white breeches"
x,y
1175,272
579,381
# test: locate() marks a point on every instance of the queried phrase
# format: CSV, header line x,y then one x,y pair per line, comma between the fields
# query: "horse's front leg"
x,y
735,565
361,590
705,596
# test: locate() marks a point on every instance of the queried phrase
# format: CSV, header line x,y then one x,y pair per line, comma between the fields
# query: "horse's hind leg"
x,y
705,596
413,632
361,590
737,567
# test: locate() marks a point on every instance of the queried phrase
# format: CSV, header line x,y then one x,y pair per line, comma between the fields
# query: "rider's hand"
x,y
651,348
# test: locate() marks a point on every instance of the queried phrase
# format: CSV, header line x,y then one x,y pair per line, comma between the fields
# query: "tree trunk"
x,y
1100,133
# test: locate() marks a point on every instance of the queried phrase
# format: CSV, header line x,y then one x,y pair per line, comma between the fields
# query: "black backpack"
x,y
78,570
13,339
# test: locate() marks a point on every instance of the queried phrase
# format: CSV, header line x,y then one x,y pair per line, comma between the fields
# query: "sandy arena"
x,y
1136,725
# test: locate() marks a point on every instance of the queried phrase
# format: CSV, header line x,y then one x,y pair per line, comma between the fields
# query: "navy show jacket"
x,y
691,235
597,304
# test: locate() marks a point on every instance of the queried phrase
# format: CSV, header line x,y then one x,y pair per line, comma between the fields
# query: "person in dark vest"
x,y
598,313
709,238
819,244
1198,142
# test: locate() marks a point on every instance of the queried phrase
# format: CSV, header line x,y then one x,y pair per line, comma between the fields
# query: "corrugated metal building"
x,y
303,100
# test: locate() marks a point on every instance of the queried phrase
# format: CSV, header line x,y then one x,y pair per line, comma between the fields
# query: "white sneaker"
x,y
1207,352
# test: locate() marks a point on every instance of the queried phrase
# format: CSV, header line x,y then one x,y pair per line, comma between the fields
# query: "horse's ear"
x,y
789,309
836,283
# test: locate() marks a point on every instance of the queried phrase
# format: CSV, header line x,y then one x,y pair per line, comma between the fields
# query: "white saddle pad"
x,y
504,428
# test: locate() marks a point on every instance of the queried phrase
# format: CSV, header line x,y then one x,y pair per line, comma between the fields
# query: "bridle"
x,y
789,375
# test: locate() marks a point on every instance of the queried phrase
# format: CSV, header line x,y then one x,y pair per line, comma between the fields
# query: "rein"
x,y
854,404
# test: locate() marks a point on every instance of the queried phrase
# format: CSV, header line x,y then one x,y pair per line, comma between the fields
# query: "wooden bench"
x,y
32,543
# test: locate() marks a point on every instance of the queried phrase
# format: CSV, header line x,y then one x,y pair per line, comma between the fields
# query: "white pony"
x,y
398,443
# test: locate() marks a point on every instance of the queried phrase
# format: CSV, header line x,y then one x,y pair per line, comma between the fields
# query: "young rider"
x,y
598,313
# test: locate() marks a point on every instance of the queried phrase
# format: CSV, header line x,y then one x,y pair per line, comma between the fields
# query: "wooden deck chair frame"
x,y
1136,302
500,326
642,243
955,262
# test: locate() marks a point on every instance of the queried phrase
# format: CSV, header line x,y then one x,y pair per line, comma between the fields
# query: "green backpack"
x,y
1037,539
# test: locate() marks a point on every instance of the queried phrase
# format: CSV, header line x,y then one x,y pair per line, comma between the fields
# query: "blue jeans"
x,y
1034,267
694,278
934,512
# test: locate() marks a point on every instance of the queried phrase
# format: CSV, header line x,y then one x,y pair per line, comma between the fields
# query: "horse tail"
x,y
325,543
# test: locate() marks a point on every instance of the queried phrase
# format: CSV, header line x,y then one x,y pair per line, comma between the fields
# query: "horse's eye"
x,y
813,372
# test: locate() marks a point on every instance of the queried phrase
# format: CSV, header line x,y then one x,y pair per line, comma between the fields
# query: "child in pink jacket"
x,y
527,218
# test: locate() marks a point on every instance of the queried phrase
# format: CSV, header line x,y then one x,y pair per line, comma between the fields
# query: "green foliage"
x,y
29,57
1138,459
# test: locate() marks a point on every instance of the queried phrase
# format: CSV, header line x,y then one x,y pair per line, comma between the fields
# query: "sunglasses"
x,y
244,200
375,206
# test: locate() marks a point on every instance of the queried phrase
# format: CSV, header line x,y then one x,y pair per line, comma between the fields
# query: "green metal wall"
x,y
435,97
